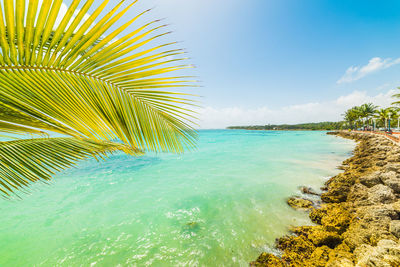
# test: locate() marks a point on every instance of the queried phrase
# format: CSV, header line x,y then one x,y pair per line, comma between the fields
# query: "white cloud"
x,y
375,64
211,118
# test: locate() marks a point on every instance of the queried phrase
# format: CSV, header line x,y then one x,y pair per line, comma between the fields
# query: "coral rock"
x,y
394,228
267,259
300,203
381,194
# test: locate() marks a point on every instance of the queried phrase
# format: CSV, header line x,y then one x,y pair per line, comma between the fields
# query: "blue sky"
x,y
285,61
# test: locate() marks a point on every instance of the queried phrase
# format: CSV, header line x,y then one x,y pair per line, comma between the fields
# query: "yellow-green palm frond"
x,y
26,161
77,77
84,77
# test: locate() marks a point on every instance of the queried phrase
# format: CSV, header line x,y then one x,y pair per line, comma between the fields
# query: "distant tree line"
x,y
365,116
318,126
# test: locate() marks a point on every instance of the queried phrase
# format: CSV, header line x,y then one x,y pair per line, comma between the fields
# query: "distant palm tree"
x,y
102,91
352,116
367,111
394,115
383,115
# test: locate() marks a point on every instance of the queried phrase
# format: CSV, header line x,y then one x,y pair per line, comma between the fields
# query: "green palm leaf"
x,y
77,79
30,160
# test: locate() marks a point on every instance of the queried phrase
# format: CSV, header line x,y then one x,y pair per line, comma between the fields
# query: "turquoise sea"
x,y
220,205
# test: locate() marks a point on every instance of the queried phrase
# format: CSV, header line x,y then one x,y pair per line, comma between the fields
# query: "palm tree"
x,y
396,108
367,111
101,90
394,115
352,116
382,115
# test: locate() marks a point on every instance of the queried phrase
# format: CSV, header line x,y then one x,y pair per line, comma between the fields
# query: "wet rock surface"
x,y
308,191
300,203
358,222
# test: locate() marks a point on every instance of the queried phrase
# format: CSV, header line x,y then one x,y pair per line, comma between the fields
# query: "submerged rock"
x,y
309,191
191,226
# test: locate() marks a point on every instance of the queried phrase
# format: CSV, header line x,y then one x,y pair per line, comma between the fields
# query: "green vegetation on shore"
x,y
369,114
319,126
365,115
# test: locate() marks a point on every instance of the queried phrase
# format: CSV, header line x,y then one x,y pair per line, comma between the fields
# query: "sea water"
x,y
219,205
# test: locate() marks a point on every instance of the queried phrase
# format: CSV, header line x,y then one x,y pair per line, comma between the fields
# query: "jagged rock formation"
x,y
358,222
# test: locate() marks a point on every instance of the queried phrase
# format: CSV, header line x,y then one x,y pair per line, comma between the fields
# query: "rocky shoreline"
x,y
358,219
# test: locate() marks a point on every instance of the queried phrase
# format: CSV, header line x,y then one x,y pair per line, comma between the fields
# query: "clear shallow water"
x,y
218,206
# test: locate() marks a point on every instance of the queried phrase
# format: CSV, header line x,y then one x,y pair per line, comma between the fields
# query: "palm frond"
x,y
72,75
105,89
26,161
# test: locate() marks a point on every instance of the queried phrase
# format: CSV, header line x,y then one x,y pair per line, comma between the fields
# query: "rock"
x,y
320,237
390,175
358,194
309,191
341,167
396,206
342,262
323,188
340,258
359,221
370,225
371,179
192,225
357,234
363,254
381,163
337,218
377,213
267,259
394,184
393,158
317,214
386,253
296,248
320,256
300,203
395,167
338,188
394,228
380,194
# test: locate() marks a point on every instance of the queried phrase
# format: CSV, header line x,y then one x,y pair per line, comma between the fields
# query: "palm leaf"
x,y
81,79
25,161
96,89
